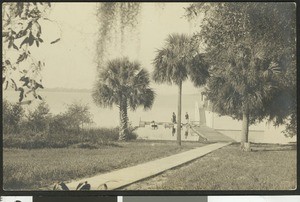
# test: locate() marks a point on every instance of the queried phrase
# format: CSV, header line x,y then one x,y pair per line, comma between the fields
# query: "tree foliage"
x,y
12,117
177,61
115,20
77,115
251,50
38,119
125,84
20,32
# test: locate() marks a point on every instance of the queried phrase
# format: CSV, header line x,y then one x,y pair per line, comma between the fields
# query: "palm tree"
x,y
245,88
178,61
125,84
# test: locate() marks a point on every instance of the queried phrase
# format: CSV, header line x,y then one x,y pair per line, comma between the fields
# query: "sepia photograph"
x,y
149,96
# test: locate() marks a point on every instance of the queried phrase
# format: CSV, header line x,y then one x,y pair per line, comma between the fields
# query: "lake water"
x,y
164,106
161,111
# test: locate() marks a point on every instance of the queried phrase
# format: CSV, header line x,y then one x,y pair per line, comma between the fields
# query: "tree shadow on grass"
x,y
273,147
266,147
88,145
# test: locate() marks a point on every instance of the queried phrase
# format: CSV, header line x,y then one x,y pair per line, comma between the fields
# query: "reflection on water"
x,y
165,133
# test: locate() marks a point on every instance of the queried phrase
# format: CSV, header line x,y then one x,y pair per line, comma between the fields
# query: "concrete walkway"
x,y
126,176
212,135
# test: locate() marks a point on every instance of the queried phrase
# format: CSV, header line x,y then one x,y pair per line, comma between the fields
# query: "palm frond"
x,y
172,62
123,80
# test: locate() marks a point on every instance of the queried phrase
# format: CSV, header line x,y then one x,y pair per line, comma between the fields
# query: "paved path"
x,y
212,135
126,176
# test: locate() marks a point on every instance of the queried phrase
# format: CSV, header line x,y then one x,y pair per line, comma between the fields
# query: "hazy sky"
x,y
71,62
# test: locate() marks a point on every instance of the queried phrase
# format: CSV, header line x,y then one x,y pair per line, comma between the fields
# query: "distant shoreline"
x,y
59,90
66,90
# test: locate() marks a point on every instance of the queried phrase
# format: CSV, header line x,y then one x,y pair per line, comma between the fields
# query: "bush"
x,y
76,116
87,138
132,135
12,117
38,120
40,129
58,124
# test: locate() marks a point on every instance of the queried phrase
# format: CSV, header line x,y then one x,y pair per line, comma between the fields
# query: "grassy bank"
x,y
33,169
85,138
268,167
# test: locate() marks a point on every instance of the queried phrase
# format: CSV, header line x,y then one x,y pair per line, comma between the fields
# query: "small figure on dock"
x,y
154,125
186,131
187,118
173,129
173,118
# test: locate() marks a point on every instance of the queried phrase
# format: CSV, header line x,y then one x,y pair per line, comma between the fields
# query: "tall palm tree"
x,y
125,84
245,88
178,61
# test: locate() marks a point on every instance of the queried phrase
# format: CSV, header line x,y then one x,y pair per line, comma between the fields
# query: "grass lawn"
x,y
268,167
37,168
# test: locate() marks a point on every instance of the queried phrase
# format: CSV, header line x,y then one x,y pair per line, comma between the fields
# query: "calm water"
x,y
162,109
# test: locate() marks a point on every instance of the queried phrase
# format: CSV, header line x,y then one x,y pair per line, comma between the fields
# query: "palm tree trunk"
x,y
123,130
245,132
179,114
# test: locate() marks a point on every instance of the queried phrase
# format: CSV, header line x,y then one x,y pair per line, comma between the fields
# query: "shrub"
x,y
58,124
78,115
38,120
41,129
131,134
12,117
74,119
87,138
